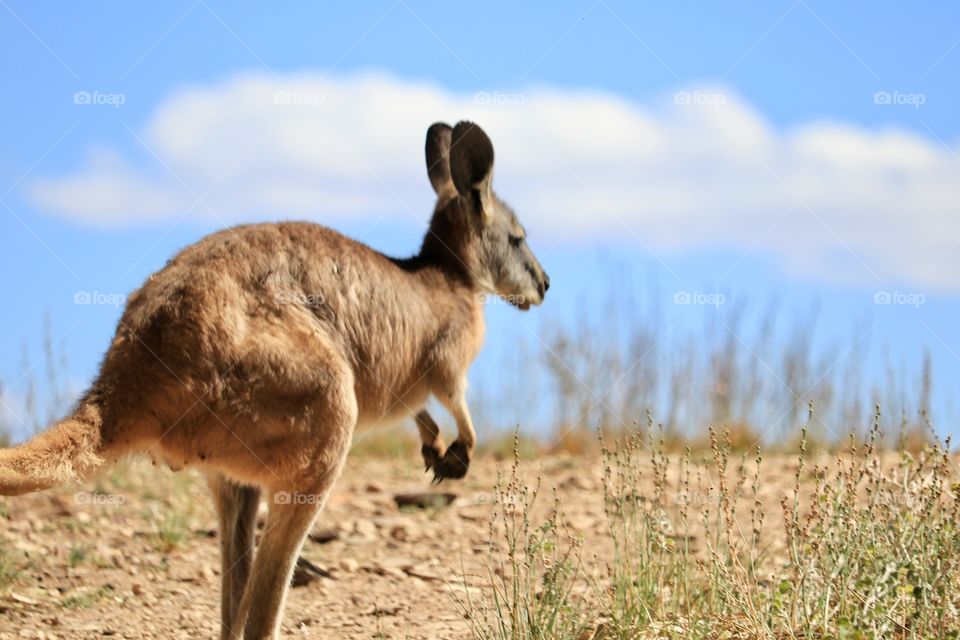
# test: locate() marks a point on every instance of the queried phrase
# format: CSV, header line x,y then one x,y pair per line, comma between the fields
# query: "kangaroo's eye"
x,y
515,241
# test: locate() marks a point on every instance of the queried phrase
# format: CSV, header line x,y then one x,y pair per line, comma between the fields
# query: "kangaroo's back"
x,y
275,287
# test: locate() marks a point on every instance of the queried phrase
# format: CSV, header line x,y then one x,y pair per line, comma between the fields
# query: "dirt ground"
x,y
135,554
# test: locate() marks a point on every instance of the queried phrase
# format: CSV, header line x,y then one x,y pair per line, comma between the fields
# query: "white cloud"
x,y
700,170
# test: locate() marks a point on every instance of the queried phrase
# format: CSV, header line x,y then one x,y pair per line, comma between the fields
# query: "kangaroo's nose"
x,y
546,282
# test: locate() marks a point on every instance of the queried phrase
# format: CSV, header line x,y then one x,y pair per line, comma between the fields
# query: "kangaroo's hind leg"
x,y
237,511
291,515
295,498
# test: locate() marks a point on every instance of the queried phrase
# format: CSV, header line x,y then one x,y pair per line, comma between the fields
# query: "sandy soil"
x,y
135,554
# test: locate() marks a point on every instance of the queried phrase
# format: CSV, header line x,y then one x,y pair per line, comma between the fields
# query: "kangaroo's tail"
x,y
67,452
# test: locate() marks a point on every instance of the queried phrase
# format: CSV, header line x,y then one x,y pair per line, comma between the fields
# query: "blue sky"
x,y
798,151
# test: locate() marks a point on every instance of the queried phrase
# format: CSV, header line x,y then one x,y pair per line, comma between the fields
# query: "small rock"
x,y
23,599
349,565
393,567
576,482
475,513
307,572
423,571
360,505
401,532
61,506
387,610
424,500
583,523
204,573
381,570
323,536
365,529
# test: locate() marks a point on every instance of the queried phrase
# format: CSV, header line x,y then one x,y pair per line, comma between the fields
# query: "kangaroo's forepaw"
x,y
454,464
431,457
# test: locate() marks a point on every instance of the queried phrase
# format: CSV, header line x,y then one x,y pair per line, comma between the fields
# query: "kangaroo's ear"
x,y
438,156
471,159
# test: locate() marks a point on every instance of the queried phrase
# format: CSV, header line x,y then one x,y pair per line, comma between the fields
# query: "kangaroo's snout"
x,y
544,285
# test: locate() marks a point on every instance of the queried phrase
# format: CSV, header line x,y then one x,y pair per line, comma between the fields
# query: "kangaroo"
x,y
256,353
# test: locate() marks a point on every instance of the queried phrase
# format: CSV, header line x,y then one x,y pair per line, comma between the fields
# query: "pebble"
x,y
365,529
577,482
205,573
401,532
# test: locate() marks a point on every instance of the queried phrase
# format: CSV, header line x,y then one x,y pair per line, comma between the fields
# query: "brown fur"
x,y
255,353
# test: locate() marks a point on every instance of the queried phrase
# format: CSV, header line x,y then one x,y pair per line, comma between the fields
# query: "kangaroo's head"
x,y
475,230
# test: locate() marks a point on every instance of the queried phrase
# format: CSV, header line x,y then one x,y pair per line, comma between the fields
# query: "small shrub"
x,y
171,533
533,570
10,570
77,555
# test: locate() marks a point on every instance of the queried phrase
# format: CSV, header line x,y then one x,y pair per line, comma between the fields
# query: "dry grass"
x,y
866,545
627,350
